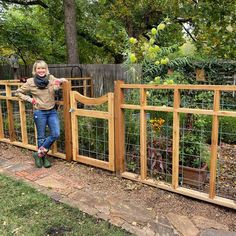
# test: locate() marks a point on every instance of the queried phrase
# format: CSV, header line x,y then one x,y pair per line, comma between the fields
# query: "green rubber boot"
x,y
46,162
38,160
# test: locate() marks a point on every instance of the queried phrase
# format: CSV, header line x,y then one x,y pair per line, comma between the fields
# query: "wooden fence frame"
x,y
76,97
116,120
176,110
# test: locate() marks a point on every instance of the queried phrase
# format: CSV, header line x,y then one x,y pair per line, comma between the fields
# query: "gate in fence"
x,y
93,130
157,135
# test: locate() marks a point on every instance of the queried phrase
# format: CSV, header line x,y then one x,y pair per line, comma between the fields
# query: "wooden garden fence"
x,y
117,105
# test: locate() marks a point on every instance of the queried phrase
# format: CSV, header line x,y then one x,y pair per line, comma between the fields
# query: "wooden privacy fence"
x,y
140,132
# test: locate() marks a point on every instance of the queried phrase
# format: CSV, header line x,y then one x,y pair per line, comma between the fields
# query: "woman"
x,y
42,87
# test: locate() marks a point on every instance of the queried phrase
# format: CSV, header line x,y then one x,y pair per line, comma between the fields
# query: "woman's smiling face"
x,y
41,71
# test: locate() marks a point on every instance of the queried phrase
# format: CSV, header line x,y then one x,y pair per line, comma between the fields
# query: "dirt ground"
x,y
161,201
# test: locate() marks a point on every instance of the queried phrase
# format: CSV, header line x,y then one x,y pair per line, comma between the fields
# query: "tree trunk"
x,y
70,31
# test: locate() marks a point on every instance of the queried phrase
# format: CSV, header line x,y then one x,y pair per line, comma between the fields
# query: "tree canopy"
x,y
35,29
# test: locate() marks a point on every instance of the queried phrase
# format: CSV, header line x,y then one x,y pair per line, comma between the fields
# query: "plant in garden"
x,y
154,59
194,150
158,146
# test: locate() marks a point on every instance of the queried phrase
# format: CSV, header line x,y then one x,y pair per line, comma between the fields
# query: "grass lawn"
x,y
25,211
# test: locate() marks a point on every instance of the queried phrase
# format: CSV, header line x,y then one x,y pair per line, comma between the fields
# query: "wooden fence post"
x,y
143,135
119,128
1,122
214,144
111,131
175,158
67,119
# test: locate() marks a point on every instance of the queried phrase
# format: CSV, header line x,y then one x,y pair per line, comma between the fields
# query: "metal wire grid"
x,y
5,119
159,146
30,124
160,97
17,123
61,140
93,138
132,96
226,163
195,138
132,141
228,100
197,99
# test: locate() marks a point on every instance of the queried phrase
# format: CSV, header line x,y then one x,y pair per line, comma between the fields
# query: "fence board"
x,y
214,145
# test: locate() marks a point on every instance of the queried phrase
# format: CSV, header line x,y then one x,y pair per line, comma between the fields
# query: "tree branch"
x,y
117,56
27,3
186,30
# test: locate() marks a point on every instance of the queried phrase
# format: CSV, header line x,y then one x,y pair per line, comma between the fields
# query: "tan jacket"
x,y
45,98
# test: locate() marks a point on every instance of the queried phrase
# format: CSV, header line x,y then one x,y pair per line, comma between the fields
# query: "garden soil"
x,y
105,185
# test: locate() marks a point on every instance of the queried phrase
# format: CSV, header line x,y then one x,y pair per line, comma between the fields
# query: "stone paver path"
x,y
135,218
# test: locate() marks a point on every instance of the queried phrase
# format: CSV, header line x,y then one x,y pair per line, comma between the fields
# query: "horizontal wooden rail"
x,y
181,86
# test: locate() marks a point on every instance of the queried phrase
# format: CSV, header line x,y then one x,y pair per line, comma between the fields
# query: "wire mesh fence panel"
x,y
132,96
228,101
195,151
159,145
161,97
93,138
5,119
61,140
30,124
17,121
226,163
132,141
200,99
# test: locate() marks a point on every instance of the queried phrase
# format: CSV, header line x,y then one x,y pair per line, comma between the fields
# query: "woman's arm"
x,y
22,91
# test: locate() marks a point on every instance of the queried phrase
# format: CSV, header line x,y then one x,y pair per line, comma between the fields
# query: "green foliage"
x,y
194,151
215,33
102,27
31,34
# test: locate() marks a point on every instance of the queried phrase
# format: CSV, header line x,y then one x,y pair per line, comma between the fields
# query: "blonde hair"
x,y
42,64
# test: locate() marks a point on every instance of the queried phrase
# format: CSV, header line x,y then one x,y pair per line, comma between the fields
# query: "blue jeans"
x,y
42,119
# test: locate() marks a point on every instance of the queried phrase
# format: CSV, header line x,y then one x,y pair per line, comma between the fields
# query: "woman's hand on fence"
x,y
63,80
60,81
33,101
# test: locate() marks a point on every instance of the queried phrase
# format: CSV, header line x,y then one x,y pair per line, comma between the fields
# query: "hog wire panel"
x,y
228,100
30,123
132,96
226,163
17,123
132,141
61,140
160,97
195,151
5,119
93,138
159,145
93,133
197,99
